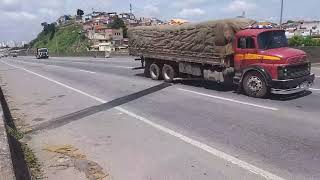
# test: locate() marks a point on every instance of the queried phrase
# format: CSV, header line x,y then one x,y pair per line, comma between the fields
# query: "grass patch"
x,y
29,156
32,162
15,133
67,39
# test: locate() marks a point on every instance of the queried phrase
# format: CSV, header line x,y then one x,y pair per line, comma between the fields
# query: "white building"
x,y
310,28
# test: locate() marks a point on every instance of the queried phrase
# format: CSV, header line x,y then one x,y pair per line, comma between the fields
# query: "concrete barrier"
x,y
313,53
98,54
6,167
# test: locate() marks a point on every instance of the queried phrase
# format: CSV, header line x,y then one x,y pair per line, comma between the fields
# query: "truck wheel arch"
x,y
258,69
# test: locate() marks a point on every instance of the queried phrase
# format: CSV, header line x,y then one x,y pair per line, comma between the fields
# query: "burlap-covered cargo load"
x,y
203,42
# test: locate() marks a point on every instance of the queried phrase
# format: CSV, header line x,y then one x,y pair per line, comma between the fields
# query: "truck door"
x,y
246,53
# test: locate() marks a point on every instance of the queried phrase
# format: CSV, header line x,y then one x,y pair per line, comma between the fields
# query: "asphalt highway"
x,y
273,138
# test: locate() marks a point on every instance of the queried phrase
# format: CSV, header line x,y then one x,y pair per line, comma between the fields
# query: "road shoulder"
x,y
6,167
117,144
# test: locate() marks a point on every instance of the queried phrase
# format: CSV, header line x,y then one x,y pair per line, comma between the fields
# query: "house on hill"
x,y
65,19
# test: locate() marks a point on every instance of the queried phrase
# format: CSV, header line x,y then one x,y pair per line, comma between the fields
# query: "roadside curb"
x,y
19,164
6,168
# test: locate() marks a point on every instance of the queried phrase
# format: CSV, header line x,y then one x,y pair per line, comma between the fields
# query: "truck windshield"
x,y
43,50
272,40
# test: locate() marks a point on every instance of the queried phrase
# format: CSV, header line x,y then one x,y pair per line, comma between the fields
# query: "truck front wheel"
x,y
155,71
254,85
168,73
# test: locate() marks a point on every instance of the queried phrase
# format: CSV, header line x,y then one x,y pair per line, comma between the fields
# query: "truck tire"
x,y
168,73
155,71
254,85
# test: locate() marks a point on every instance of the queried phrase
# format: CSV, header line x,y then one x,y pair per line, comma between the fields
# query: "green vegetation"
x,y
304,41
15,133
29,156
32,162
117,24
61,39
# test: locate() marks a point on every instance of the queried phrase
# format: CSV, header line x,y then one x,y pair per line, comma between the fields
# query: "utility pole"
x,y
56,44
243,13
78,46
281,14
130,8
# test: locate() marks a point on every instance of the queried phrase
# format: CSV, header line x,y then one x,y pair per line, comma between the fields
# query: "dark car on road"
x,y
13,54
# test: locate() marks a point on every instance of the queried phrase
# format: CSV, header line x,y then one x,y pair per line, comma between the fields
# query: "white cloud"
x,y
186,13
187,3
151,10
18,16
9,2
239,6
20,19
48,12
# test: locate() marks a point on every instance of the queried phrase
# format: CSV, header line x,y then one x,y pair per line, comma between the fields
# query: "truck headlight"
x,y
282,72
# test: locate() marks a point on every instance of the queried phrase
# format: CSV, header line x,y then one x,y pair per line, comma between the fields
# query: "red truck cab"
x,y
264,63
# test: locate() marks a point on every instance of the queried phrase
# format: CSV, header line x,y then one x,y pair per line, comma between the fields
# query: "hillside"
x,y
61,39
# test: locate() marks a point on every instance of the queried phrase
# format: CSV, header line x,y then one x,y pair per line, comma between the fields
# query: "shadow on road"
x,y
290,97
137,68
209,85
61,121
230,87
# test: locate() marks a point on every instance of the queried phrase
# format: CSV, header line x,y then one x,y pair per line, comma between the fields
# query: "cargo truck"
x,y
256,59
42,53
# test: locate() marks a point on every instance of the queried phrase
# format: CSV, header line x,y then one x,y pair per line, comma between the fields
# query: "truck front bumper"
x,y
292,86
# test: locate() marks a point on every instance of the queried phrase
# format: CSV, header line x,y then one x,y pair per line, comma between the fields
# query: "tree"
x,y
44,24
304,41
290,21
49,29
119,23
67,17
80,12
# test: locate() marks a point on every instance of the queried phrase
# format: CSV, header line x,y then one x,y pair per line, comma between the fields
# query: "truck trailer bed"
x,y
207,43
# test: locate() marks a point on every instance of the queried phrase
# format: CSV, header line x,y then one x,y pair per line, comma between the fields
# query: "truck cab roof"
x,y
254,32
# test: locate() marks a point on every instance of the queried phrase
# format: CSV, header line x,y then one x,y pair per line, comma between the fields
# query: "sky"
x,y
21,19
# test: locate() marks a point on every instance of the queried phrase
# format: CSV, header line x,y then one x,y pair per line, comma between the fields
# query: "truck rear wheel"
x,y
254,85
168,73
155,71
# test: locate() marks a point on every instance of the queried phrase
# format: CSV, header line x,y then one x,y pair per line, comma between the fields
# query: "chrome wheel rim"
x,y
254,84
166,74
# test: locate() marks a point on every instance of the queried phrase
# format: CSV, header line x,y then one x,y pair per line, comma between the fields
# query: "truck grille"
x,y
296,71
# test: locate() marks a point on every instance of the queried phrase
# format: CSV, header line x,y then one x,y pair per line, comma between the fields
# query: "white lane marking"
x,y
195,143
91,72
124,67
59,83
230,100
107,63
56,66
63,61
313,89
50,65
